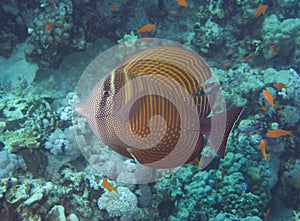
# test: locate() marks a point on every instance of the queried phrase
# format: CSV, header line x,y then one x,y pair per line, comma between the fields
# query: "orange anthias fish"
x,y
146,28
49,26
260,10
278,133
279,86
249,57
268,97
263,148
108,186
267,214
183,3
173,70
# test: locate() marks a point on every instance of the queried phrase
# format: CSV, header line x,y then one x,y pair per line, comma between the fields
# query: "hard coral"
x,y
29,119
121,204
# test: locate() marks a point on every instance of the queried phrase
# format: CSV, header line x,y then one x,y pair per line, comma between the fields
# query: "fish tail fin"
x,y
216,133
115,188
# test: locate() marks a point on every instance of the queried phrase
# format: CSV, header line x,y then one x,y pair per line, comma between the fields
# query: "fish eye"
x,y
106,93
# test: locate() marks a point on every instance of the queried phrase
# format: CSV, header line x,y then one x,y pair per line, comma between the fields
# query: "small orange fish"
x,y
260,10
267,214
108,186
114,8
278,133
249,57
183,3
279,86
273,48
263,148
146,28
268,97
49,26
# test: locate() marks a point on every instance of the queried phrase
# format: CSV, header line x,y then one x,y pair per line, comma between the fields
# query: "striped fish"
x,y
154,108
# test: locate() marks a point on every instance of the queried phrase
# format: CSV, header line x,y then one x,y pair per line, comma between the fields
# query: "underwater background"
x,y
252,47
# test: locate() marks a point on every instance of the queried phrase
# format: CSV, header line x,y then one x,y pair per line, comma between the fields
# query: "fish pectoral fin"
x,y
217,128
121,150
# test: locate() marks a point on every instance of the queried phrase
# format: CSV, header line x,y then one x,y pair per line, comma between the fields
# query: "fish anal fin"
x,y
198,148
216,129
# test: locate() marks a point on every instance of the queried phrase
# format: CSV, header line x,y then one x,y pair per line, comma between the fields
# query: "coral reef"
x,y
57,212
284,34
35,117
9,163
63,143
50,33
121,204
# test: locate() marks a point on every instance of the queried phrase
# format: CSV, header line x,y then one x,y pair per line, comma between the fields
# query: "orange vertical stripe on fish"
x,y
261,10
268,97
278,133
